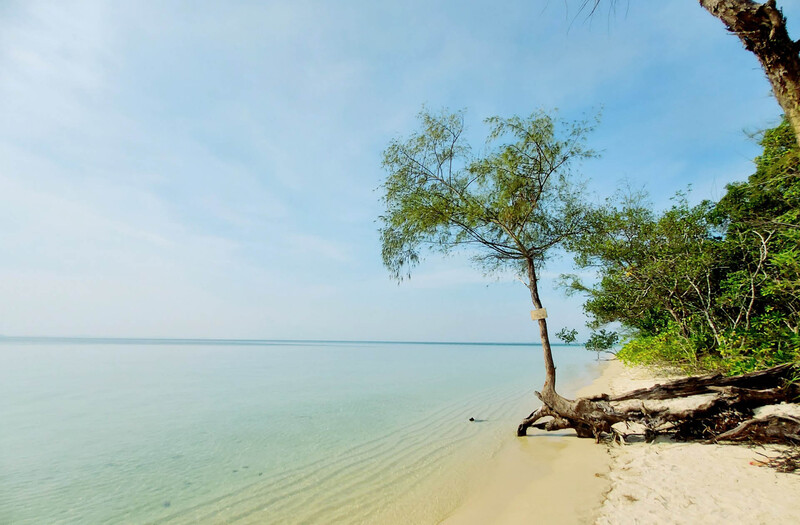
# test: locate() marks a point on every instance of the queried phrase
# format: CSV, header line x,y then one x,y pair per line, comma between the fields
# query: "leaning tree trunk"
x,y
549,387
581,415
762,30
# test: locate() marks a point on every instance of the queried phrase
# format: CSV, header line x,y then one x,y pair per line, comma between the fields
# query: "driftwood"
x,y
711,408
772,429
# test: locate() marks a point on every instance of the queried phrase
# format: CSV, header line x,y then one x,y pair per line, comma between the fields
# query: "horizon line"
x,y
253,342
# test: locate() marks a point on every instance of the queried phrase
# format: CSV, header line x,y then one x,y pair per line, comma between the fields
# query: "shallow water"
x,y
262,432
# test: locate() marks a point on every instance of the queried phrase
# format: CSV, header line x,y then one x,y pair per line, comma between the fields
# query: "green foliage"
x,y
567,335
506,208
639,256
763,220
705,286
602,340
766,342
668,347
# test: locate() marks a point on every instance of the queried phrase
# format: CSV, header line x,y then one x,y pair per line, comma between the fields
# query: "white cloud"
x,y
172,170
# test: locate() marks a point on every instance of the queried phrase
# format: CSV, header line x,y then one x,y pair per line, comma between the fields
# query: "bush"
x,y
766,343
669,347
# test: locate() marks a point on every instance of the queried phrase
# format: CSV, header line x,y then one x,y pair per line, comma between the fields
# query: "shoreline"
x,y
547,477
559,478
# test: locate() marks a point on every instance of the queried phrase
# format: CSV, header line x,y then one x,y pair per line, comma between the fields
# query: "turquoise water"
x,y
256,432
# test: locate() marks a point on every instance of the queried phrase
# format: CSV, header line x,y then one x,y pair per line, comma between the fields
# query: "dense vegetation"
x,y
710,286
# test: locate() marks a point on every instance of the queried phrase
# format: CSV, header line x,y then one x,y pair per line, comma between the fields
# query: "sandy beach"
x,y
668,482
558,478
546,477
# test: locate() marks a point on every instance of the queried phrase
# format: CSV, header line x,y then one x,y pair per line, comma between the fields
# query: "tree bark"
x,y
549,365
762,30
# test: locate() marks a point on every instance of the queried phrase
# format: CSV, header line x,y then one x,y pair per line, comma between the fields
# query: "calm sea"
x,y
149,431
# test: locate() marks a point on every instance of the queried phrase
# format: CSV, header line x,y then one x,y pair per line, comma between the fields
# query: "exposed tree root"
x,y
710,407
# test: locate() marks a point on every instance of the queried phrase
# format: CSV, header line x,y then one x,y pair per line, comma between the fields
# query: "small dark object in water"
x,y
260,473
472,419
166,504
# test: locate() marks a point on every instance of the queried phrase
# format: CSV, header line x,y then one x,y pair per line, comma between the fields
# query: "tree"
x,y
602,341
656,273
762,30
715,285
765,210
761,217
508,208
568,335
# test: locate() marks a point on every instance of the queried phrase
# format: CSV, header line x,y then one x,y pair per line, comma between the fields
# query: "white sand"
x,y
667,482
557,478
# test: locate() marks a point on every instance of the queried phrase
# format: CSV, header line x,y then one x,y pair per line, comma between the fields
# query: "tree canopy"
x,y
714,285
507,208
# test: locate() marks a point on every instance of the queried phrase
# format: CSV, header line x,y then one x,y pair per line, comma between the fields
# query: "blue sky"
x,y
198,169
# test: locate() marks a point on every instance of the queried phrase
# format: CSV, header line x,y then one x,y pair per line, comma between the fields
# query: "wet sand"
x,y
546,477
558,478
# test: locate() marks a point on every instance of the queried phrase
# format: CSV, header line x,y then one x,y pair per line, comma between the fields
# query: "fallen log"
x,y
711,407
771,429
695,385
